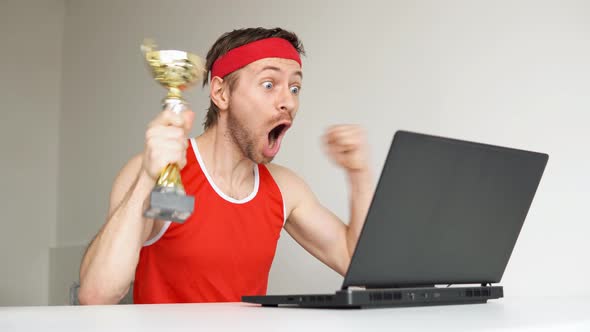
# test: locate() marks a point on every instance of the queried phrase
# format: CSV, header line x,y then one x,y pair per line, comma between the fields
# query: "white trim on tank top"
x,y
284,205
159,235
220,193
217,190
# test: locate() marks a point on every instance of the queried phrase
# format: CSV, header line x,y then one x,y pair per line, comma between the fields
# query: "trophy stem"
x,y
175,104
170,179
174,93
168,200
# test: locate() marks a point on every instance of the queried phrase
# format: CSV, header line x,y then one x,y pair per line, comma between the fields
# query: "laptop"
x,y
441,227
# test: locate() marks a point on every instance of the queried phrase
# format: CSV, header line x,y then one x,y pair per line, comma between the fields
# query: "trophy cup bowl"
x,y
176,71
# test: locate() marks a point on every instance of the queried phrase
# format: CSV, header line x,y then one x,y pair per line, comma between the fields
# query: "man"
x,y
242,200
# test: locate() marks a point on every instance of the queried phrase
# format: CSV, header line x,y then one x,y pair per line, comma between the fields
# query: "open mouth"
x,y
276,133
274,139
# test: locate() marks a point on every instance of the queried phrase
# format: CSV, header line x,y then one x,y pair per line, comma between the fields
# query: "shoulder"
x,y
129,171
125,179
283,176
292,186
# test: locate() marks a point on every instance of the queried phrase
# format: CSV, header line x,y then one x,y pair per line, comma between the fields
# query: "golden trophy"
x,y
176,71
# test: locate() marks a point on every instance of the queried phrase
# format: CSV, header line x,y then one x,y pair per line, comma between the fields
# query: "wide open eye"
x,y
295,90
267,85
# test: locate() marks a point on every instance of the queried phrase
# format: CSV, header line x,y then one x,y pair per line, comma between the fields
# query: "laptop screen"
x,y
444,212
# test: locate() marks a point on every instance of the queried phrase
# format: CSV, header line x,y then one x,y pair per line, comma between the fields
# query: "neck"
x,y
224,160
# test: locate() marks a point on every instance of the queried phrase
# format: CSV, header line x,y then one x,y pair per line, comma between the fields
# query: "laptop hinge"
x,y
483,284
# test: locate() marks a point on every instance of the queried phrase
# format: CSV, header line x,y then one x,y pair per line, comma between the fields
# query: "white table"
x,y
508,314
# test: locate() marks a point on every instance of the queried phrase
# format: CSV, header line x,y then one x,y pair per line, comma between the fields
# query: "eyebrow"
x,y
273,68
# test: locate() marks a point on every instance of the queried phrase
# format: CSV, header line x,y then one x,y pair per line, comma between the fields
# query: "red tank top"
x,y
223,251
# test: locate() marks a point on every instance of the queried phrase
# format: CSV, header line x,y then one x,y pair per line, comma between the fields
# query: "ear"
x,y
219,93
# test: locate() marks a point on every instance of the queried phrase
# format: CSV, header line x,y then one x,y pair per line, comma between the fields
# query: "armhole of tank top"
x,y
284,208
159,235
282,197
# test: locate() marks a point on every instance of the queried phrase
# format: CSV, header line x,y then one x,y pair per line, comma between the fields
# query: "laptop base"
x,y
386,297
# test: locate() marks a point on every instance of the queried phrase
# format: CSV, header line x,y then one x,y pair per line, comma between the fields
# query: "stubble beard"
x,y
244,140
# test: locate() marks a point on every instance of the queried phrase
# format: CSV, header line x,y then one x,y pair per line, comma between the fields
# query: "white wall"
x,y
511,73
30,68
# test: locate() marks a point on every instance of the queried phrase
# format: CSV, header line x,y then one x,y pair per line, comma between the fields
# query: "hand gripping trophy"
x,y
176,71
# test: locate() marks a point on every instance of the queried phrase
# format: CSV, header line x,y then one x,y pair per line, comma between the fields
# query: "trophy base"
x,y
169,206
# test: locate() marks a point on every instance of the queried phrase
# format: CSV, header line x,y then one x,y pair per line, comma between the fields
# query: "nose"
x,y
287,101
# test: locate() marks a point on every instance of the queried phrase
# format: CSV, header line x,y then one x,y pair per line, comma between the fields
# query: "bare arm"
x,y
347,147
361,193
108,267
315,227
109,264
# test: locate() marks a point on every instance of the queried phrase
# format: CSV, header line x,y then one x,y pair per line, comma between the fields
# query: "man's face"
x,y
262,106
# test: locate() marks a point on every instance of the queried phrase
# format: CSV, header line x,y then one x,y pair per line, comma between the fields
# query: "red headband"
x,y
241,56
